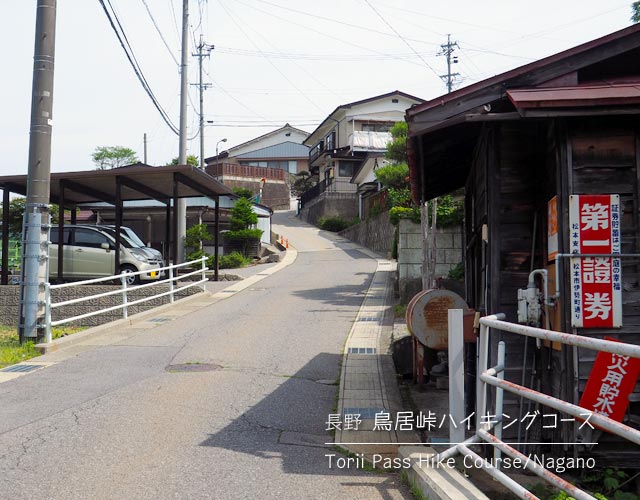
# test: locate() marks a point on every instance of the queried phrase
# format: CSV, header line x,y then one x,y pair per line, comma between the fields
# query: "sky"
x,y
274,62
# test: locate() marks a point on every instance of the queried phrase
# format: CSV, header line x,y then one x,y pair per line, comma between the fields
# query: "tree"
x,y
243,192
16,214
241,223
301,182
191,160
397,148
635,12
106,157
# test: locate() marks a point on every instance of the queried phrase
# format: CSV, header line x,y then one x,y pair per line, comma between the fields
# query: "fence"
x,y
330,185
248,171
123,292
494,377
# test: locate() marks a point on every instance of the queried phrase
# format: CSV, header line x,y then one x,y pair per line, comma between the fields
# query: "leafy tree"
x,y
393,176
243,192
106,157
191,160
193,241
301,182
397,148
16,214
635,12
241,225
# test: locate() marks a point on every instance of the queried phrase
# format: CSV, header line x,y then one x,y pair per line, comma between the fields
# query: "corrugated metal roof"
x,y
282,151
587,95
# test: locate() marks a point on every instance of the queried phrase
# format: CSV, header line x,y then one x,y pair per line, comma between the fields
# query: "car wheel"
x,y
131,279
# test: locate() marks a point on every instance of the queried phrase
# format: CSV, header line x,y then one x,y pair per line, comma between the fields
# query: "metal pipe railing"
x,y
124,291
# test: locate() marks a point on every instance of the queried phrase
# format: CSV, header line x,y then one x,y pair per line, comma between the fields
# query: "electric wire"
x,y
136,68
401,37
239,26
155,24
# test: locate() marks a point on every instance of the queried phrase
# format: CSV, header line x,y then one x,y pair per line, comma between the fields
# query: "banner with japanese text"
x,y
596,282
611,381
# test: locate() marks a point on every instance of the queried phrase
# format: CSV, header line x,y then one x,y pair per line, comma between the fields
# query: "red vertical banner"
x,y
612,379
596,283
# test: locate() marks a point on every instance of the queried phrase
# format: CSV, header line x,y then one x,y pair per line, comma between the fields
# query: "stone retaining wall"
x,y
10,300
375,233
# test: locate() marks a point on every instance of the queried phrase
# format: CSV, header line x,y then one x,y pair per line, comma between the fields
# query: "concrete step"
x,y
441,482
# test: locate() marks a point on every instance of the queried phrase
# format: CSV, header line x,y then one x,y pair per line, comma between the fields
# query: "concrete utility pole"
x,y
182,153
447,51
35,253
144,139
429,233
204,50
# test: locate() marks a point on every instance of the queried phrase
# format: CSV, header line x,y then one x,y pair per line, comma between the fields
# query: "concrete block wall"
x,y
10,300
448,255
375,233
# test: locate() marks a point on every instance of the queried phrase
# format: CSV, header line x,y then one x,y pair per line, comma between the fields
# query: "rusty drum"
x,y
428,318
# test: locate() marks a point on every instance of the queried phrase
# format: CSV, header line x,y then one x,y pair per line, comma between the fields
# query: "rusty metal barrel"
x,y
427,316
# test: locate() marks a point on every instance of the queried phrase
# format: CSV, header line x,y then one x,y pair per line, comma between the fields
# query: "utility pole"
x,y
35,253
429,227
144,139
181,205
447,51
204,50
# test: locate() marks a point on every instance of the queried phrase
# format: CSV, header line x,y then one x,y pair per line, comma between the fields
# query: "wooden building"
x,y
565,125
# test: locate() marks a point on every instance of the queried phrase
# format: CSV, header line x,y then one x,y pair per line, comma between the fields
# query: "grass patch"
x,y
399,311
12,352
413,487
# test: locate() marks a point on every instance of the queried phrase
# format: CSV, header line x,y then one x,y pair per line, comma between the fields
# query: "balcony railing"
x,y
331,185
316,151
235,170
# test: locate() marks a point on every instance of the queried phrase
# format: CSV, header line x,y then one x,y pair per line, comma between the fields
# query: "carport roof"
x,y
138,181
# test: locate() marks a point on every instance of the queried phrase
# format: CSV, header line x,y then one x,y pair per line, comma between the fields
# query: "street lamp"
x,y
217,144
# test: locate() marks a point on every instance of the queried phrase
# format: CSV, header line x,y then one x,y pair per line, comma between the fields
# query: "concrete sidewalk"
x,y
368,381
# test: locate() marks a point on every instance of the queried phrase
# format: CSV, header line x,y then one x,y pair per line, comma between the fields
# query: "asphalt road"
x,y
112,422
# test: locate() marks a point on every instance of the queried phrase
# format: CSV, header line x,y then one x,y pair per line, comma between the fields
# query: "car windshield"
x,y
133,237
124,238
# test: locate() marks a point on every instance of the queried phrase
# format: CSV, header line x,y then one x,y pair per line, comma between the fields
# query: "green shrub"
x,y
333,224
192,241
232,261
457,272
243,192
393,176
397,213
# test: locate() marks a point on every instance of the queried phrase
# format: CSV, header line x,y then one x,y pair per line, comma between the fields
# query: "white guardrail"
x,y
123,291
494,376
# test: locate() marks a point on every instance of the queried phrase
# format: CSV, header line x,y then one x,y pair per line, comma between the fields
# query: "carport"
x,y
134,182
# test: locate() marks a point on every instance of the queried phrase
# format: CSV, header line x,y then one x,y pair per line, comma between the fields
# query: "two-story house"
x,y
351,140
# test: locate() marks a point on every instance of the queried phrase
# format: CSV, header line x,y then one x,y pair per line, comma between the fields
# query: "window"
x,y
345,169
53,235
88,238
330,141
376,127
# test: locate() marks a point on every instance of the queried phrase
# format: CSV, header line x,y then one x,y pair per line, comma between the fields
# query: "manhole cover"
x,y
192,367
21,368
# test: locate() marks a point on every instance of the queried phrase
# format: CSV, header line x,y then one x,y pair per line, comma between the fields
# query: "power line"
x,y
134,64
267,58
401,37
155,24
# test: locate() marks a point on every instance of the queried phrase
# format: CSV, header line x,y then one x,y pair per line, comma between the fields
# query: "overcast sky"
x,y
275,61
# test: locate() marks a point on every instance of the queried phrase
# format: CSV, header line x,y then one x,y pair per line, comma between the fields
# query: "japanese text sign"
x,y
596,282
612,379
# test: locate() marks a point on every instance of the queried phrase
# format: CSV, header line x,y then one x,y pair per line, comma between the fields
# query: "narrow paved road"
x,y
112,422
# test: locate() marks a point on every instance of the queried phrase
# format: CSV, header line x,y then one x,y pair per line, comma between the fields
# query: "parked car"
x,y
89,252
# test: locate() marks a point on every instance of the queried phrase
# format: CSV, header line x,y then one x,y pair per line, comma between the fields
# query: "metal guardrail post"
x,y
456,375
171,284
47,312
481,363
204,276
125,312
499,402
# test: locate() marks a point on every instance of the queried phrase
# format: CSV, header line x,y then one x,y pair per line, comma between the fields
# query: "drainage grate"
x,y
21,368
361,350
160,320
365,413
368,318
192,367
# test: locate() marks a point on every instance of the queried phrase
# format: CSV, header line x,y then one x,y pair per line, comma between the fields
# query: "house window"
x,y
376,127
330,141
345,169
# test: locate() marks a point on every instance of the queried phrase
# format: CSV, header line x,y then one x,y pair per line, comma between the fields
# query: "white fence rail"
x,y
494,377
123,291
